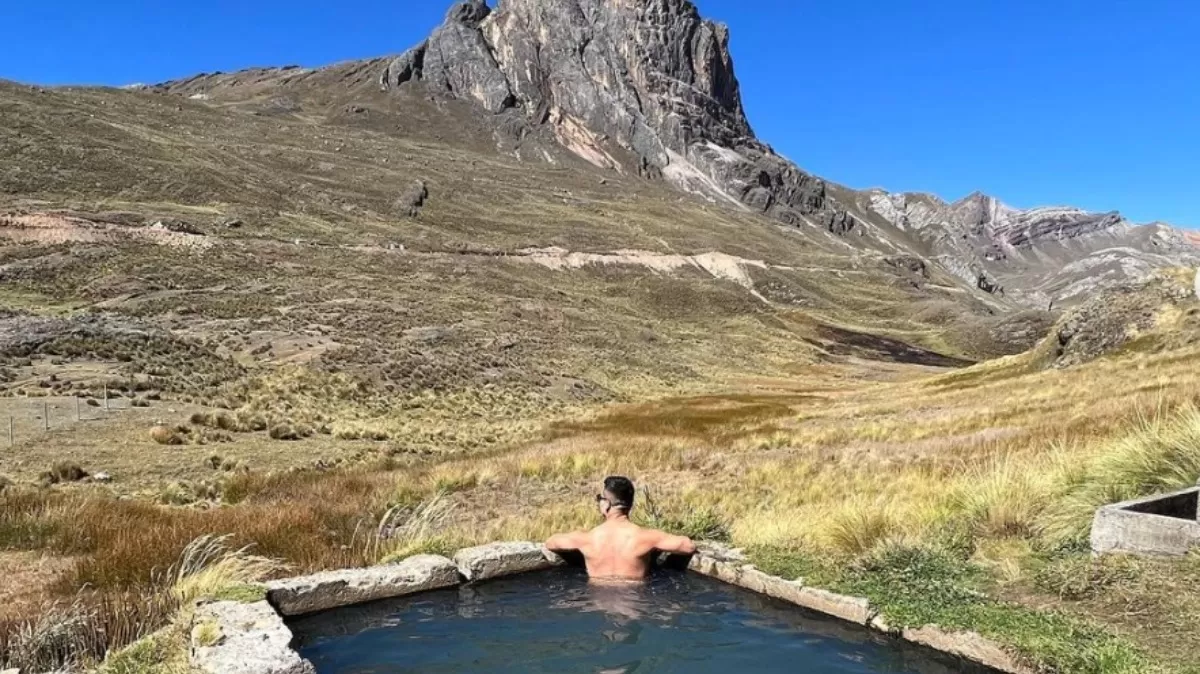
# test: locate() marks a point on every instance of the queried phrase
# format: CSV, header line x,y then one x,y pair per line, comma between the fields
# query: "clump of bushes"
x,y
284,432
187,493
64,472
219,420
215,462
165,435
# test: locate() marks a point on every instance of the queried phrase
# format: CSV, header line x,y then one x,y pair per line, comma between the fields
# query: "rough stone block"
x,y
852,609
234,638
968,645
332,589
503,559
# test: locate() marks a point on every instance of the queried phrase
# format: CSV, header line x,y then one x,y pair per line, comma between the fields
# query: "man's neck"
x,y
616,517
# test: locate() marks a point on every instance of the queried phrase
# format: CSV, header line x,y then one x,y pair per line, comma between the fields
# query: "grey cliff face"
x,y
649,78
1041,254
456,59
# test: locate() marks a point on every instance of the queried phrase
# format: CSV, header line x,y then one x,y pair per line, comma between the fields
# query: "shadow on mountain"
x,y
842,342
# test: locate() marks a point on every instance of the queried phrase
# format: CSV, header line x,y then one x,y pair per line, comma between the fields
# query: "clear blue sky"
x,y
1095,103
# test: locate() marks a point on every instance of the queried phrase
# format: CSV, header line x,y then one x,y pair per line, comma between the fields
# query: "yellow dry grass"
x,y
837,465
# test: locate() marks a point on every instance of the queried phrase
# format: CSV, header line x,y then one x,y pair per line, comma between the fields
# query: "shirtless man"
x,y
619,549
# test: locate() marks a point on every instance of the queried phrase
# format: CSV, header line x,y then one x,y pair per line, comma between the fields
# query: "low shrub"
x,y
284,432
64,472
701,524
165,435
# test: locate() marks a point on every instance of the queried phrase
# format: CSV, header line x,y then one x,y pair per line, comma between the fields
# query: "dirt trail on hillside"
x,y
719,265
53,228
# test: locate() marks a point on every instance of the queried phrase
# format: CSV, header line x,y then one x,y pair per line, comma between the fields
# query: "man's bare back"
x,y
618,549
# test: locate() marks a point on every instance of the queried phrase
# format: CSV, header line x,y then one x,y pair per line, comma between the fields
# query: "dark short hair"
x,y
621,490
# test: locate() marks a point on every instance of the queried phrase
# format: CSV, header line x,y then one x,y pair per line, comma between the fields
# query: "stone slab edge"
x,y
335,589
496,560
1119,528
234,638
730,567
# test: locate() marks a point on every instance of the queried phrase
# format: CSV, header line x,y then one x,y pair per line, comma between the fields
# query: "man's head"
x,y
617,496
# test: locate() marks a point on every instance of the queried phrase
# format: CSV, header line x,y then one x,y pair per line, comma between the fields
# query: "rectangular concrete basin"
x,y
1157,526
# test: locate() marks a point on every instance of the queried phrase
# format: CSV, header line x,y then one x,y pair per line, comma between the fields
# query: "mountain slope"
x,y
649,88
279,266
1038,256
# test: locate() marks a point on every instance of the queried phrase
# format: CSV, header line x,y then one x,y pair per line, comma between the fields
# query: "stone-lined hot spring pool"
x,y
557,622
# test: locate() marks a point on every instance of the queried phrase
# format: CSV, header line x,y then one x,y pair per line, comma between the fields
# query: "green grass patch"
x,y
245,593
918,586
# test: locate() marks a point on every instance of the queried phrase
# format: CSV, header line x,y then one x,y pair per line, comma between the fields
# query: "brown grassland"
x,y
987,476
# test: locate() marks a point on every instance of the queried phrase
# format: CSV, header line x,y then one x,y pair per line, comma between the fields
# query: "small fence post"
x,y
46,415
11,442
105,396
78,413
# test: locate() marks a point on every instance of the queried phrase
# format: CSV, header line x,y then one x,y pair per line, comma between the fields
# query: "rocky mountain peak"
x,y
644,86
469,13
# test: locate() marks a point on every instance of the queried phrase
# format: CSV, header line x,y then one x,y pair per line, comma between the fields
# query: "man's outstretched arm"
x,y
679,545
566,542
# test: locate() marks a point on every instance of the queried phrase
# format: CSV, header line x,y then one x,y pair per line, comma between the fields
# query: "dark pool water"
x,y
557,622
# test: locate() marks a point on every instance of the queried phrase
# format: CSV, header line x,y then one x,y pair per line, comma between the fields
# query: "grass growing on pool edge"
x,y
917,586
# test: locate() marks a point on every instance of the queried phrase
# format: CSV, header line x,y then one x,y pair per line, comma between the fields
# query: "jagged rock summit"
x,y
629,85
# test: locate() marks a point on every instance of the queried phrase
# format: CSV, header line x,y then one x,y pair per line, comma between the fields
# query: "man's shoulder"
x,y
648,534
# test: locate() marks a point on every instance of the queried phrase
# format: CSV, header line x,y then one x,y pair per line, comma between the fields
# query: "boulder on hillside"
x,y
413,198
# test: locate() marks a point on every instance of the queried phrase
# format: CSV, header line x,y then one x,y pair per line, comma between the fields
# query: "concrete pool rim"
x,y
252,638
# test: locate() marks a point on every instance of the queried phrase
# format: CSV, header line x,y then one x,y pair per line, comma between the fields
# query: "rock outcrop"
x,y
1155,315
651,81
1042,255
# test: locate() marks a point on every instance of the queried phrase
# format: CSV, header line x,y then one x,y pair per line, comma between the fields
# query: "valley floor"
x,y
957,497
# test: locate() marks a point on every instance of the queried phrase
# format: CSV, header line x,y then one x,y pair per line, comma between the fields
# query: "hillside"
x,y
270,243
649,89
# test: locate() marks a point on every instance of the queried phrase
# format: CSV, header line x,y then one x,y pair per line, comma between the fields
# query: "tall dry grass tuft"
x,y
1161,453
679,516
60,637
404,531
82,632
209,565
1004,498
858,526
76,634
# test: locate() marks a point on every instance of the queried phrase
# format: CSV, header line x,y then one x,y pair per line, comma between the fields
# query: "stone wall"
x,y
235,638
